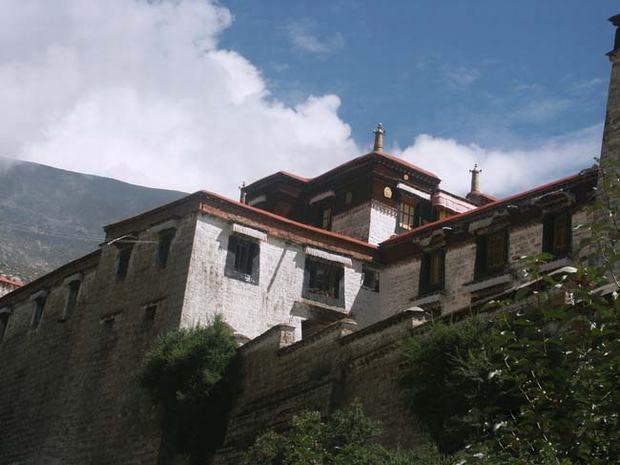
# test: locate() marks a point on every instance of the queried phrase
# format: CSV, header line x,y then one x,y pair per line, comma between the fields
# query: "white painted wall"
x,y
382,222
251,309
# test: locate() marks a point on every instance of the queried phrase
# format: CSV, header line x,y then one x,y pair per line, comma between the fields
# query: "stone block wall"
x,y
354,222
401,280
69,391
325,372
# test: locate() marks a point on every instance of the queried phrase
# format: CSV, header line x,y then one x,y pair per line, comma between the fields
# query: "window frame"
x,y
250,273
38,311
4,324
426,287
483,267
550,223
164,244
123,259
371,279
73,293
411,203
312,290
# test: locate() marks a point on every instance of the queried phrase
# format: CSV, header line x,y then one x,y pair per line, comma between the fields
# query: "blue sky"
x,y
200,94
488,72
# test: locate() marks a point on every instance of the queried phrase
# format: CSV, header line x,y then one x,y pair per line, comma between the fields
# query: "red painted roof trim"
x,y
288,221
429,226
10,281
345,165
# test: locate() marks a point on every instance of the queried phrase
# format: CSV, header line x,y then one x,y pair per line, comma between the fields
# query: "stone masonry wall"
x,y
324,372
69,391
400,282
354,222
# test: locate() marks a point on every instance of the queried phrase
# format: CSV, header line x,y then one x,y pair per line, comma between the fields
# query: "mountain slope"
x,y
49,216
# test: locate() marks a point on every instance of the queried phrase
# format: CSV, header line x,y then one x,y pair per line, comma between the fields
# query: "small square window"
x,y
324,281
150,312
370,279
243,259
163,249
557,234
432,272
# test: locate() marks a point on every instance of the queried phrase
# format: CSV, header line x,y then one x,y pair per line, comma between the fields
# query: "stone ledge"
x,y
426,300
488,283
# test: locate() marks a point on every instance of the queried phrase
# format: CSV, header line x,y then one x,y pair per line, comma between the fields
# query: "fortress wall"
x,y
68,389
324,372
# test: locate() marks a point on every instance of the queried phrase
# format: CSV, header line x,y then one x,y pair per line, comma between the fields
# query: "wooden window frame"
x,y
554,223
491,262
427,285
406,212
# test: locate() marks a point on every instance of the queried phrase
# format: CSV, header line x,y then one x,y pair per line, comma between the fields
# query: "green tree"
x,y
191,374
535,380
347,438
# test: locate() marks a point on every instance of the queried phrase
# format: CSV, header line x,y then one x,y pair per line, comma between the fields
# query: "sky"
x,y
198,94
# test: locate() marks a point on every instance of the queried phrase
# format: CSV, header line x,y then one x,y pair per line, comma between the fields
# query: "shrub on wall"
x,y
191,374
347,438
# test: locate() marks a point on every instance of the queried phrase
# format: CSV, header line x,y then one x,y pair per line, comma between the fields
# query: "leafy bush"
x,y
347,438
191,374
537,384
528,384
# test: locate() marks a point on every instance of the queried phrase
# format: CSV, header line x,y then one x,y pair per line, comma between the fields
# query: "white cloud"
x,y
303,37
504,171
140,90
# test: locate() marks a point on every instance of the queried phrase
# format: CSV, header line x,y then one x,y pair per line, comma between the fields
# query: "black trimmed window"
x,y
37,315
4,322
163,247
326,219
243,259
491,253
432,272
370,279
557,234
73,290
324,281
122,260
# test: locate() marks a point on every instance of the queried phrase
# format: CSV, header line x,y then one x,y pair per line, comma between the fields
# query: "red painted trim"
x,y
430,226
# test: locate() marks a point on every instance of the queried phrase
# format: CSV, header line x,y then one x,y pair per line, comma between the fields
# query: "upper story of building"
x,y
371,197
367,239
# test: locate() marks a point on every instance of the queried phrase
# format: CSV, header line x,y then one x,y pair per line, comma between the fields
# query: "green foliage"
x,y
532,383
537,382
191,374
347,438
